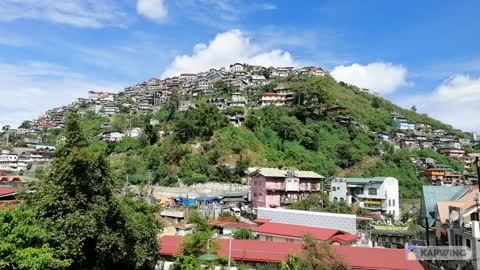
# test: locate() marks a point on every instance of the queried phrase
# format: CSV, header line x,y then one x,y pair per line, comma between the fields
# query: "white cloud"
x,y
79,13
31,88
152,9
227,48
380,77
456,102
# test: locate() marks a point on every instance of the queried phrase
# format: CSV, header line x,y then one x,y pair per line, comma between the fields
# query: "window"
x,y
290,240
254,194
334,189
393,202
342,200
474,217
269,238
468,243
394,212
389,202
372,191
335,199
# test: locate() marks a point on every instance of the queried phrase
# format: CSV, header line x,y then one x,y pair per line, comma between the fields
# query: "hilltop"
x,y
213,125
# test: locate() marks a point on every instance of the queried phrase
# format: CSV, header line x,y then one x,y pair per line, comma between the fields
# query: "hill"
x,y
324,126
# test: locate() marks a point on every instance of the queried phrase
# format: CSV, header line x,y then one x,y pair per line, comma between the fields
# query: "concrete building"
x,y
378,194
464,230
271,187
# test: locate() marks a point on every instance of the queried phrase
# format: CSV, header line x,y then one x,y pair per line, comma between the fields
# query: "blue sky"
x,y
422,53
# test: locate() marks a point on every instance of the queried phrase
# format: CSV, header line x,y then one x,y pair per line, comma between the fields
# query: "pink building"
x,y
270,187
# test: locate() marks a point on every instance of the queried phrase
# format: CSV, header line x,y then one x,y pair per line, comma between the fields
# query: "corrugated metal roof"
x,y
432,194
366,180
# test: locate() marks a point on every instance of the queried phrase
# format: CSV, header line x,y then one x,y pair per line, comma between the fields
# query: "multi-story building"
x,y
378,194
464,230
453,153
442,175
237,67
8,161
271,187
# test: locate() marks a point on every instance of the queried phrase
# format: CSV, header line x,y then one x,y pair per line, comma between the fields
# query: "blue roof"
x,y
432,194
189,202
207,198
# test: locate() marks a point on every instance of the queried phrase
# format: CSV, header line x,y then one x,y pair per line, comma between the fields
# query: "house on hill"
x,y
378,194
271,187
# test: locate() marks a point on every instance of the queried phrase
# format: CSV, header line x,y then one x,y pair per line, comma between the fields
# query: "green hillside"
x,y
203,146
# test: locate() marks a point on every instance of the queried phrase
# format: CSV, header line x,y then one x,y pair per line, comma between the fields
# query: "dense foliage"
x,y
196,146
75,221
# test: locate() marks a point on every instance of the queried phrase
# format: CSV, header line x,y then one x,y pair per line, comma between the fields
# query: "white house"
x,y
376,193
237,67
133,132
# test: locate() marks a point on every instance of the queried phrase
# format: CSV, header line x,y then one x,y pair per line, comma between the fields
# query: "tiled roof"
x,y
273,252
298,231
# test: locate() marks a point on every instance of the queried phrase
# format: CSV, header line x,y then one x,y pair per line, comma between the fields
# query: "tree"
x,y
292,263
152,135
26,124
90,226
186,262
288,128
414,108
243,234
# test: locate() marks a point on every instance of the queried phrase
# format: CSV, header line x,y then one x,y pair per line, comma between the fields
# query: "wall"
x,y
210,188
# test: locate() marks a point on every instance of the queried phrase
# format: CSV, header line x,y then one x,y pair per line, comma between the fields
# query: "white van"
x,y
236,211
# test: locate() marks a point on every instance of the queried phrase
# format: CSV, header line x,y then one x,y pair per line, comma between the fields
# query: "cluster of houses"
x,y
450,217
417,136
150,95
25,160
278,231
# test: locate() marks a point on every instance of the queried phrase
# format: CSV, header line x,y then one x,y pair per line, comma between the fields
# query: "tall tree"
x,y
93,228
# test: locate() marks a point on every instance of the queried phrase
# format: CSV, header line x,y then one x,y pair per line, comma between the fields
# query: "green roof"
x,y
432,194
365,180
208,257
29,178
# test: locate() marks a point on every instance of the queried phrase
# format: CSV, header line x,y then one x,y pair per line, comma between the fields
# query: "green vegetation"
x,y
75,221
200,145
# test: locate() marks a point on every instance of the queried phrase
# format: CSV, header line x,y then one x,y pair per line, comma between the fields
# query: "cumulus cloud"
x,y
456,102
154,10
225,49
79,13
29,89
380,77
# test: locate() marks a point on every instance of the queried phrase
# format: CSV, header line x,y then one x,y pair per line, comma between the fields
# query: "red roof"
x,y
376,258
9,204
262,251
12,179
298,231
262,220
7,191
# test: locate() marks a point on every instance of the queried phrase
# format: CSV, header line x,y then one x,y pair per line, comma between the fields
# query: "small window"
x,y
372,191
254,194
393,202
289,240
394,212
342,200
468,243
269,238
334,189
335,199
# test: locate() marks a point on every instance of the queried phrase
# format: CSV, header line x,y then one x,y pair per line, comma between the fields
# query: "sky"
x,y
422,53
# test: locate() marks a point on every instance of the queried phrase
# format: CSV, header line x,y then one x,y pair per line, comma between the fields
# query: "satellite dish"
x,y
454,215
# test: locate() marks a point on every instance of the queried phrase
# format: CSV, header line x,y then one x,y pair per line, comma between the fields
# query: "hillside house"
x,y
378,194
271,187
453,153
237,67
282,72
